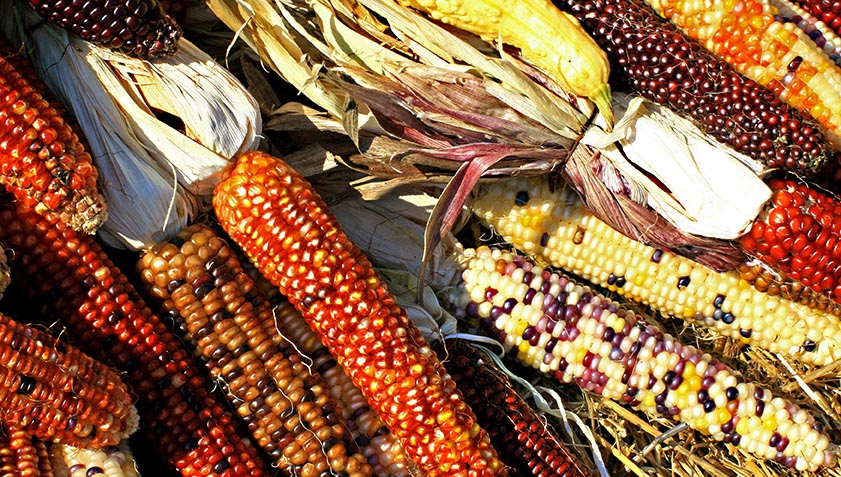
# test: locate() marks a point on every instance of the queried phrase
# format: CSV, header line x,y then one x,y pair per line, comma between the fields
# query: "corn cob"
x,y
55,392
823,36
379,445
525,442
661,64
555,226
67,276
42,159
776,55
825,11
285,228
113,461
140,28
21,455
289,410
575,335
775,282
798,233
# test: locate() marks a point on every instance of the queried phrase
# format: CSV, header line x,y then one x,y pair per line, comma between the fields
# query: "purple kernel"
x,y
508,305
528,277
703,396
709,405
668,377
529,333
675,383
626,376
661,398
774,440
657,256
617,340
781,446
663,410
707,381
550,345
632,391
490,293
608,334
547,358
616,354
75,468
736,440
529,297
544,239
472,309
658,348
93,471
727,427
760,408
731,393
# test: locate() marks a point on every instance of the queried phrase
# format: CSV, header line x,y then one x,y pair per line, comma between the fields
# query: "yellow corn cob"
x,y
551,39
197,277
774,54
555,226
112,461
575,335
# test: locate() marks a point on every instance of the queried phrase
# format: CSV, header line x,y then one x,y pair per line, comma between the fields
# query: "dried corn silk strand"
x,y
288,409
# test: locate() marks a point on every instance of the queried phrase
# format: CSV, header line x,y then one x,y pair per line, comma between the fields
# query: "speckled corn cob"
x,y
42,159
554,226
776,55
139,28
289,410
824,37
775,282
113,461
21,455
66,276
573,334
55,392
525,442
285,228
379,445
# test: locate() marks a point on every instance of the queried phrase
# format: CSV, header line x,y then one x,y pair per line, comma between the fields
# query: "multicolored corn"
x,y
285,228
775,282
524,440
824,37
289,410
376,442
21,455
67,276
827,11
554,225
660,63
140,28
42,159
55,392
798,233
112,461
777,55
573,334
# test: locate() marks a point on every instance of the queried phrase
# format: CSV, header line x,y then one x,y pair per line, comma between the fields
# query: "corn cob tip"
x,y
602,97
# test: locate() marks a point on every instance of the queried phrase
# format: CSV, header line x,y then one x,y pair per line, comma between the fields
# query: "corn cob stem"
x,y
68,277
289,410
524,440
554,226
113,461
661,64
278,219
42,159
776,55
573,334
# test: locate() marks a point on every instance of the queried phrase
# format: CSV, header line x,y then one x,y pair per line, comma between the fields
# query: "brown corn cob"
x,y
66,275
289,410
22,455
139,28
379,445
57,393
285,228
42,159
523,439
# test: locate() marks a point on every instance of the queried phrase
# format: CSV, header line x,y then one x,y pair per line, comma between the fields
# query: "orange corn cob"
x,y
21,455
377,443
777,55
42,159
285,228
289,410
525,442
67,276
57,393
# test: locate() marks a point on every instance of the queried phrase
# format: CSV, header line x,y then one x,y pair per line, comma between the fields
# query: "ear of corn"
x,y
285,228
67,276
774,282
826,12
575,335
55,392
824,37
140,28
21,455
798,233
546,36
42,159
289,410
379,445
112,461
555,226
661,64
524,440
776,55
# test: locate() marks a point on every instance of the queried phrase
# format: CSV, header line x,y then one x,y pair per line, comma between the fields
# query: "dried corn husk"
x,y
153,170
5,272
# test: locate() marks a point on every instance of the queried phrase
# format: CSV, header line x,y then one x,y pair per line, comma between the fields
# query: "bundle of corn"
x,y
424,101
43,161
112,461
158,131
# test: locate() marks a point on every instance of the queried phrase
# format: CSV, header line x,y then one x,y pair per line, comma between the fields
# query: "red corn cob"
x,y
778,283
42,159
798,234
68,276
285,228
523,439
21,455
